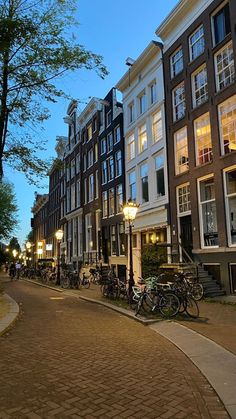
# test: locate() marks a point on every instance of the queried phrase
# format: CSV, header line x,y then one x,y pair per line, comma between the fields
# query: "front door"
x,y
186,234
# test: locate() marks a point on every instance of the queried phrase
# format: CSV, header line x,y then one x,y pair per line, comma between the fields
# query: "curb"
x,y
42,285
7,321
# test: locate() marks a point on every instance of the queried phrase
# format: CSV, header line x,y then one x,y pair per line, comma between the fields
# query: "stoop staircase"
x,y
211,287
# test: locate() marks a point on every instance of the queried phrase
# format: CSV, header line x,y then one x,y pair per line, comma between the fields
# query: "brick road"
x,y
67,358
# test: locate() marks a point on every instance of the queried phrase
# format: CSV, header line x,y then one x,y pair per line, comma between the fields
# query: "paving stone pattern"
x,y
67,358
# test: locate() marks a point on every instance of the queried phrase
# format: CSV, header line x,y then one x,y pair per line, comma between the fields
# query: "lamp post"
x,y
59,235
130,211
28,246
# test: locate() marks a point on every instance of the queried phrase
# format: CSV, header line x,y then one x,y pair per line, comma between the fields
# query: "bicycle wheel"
x,y
169,305
148,303
192,308
138,306
65,282
197,291
86,283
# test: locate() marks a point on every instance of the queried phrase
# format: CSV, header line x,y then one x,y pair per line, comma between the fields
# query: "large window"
x,y
221,24
104,172
118,162
117,135
110,169
88,232
224,67
153,93
131,147
142,103
160,179
119,199
181,151
122,239
103,145
132,186
109,142
230,195
96,184
227,122
91,188
142,138
157,128
208,219
176,62
89,132
144,182
90,157
199,86
108,119
183,196
78,199
111,202
203,145
131,113
104,204
72,194
196,43
178,98
113,240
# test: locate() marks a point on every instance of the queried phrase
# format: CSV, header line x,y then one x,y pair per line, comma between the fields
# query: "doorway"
x,y
233,278
186,233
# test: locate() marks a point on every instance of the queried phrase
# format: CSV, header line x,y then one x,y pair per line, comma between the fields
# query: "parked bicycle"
x,y
159,300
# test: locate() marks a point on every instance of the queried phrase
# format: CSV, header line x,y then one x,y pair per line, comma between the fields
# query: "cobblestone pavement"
x,y
67,358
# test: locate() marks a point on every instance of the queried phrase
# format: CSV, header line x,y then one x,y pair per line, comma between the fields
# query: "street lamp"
x,y
130,211
59,235
15,253
28,246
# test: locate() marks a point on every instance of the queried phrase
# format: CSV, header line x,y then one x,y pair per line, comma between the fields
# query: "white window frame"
x,y
104,178
184,164
110,175
108,118
142,133
134,183
145,164
158,169
104,204
196,41
231,107
118,194
113,228
229,68
174,59
118,163
188,202
130,113
203,89
117,134
153,92
131,147
200,204
142,102
90,157
111,197
227,197
157,126
109,142
96,185
103,145
178,107
198,139
91,188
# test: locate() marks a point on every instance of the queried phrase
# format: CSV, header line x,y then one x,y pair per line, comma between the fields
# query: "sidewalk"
x,y
209,342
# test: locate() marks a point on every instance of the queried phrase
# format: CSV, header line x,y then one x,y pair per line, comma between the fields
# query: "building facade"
x,y
199,64
39,227
145,156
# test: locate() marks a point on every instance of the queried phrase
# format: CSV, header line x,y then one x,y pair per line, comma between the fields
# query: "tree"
x,y
36,48
8,210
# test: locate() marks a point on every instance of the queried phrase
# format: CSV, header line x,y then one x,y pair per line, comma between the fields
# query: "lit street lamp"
x,y
59,236
15,253
130,211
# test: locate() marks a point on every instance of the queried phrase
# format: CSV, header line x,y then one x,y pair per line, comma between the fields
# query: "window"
x,y
230,195
208,220
108,119
142,103
117,135
181,151
144,182
122,239
109,142
196,43
68,173
142,138
78,163
111,202
221,24
103,145
90,157
153,93
96,184
110,169
160,180
91,188
68,200
72,195
130,113
95,124
227,122
85,191
224,67
113,240
89,132
78,193
84,162
119,199
95,152
176,62
183,196
203,145
157,126
88,232
131,147
104,172
72,168
132,186
104,204
118,160
199,86
178,97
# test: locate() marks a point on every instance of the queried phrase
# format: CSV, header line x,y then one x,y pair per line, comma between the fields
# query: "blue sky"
x,y
116,30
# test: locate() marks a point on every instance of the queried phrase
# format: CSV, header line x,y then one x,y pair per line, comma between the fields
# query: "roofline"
x,y
166,22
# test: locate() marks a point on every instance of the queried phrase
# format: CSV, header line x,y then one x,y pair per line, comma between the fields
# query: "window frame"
x,y
203,98
193,57
229,67
200,210
172,64
227,197
201,138
182,102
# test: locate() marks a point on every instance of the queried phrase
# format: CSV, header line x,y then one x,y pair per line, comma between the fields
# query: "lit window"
x,y
132,186
176,62
104,204
208,219
184,203
91,188
113,240
230,195
131,147
90,132
181,151
224,67
144,182
178,97
227,122
96,152
221,24
119,199
157,128
160,179
142,138
199,86
202,129
196,43
111,202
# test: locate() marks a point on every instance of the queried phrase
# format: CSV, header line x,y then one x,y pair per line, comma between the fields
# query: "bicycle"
x,y
151,301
